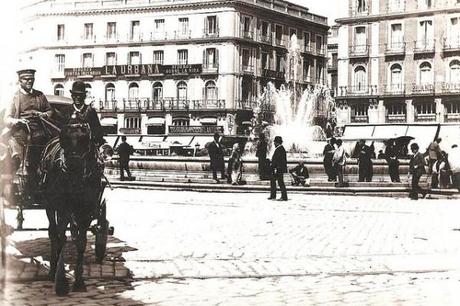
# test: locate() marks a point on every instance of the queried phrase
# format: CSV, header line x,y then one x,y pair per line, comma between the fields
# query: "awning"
x,y
112,140
154,142
389,131
423,134
156,121
450,135
358,131
179,140
109,121
208,120
201,140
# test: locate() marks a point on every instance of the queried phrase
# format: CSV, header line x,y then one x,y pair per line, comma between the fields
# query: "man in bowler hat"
x,y
124,152
278,168
216,154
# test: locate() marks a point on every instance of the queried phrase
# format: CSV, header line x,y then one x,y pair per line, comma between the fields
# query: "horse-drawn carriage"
x,y
69,185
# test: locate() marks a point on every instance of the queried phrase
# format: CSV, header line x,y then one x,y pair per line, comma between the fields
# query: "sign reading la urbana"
x,y
134,70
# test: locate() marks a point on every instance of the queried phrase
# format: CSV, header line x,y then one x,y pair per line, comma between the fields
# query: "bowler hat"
x,y
78,87
25,72
278,139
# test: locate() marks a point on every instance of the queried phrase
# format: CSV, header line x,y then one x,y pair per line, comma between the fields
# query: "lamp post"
x,y
197,147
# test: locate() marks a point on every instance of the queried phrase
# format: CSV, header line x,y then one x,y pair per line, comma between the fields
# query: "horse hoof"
x,y
79,287
62,289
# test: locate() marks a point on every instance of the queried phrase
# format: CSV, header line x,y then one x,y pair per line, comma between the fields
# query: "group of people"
x,y
334,160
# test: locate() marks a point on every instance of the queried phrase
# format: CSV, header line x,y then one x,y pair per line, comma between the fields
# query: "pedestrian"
x,y
278,168
328,154
365,166
417,169
381,155
300,175
124,152
235,166
444,170
391,156
454,162
261,155
216,155
433,151
23,117
339,161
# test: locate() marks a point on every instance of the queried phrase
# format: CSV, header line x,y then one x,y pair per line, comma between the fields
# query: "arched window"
x,y
157,91
454,71
181,91
109,92
396,79
425,74
59,90
360,79
210,91
133,91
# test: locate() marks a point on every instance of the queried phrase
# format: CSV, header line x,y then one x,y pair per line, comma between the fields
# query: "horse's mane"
x,y
51,153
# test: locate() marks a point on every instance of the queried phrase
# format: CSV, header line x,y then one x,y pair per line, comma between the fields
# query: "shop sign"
x,y
199,129
134,70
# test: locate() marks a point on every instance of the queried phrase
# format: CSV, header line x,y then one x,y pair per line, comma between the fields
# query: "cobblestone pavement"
x,y
184,248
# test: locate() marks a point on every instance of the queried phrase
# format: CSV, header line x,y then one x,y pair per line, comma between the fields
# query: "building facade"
x,y
399,61
332,57
171,67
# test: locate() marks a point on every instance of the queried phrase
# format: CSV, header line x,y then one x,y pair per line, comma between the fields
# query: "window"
x,y
133,91
110,59
210,58
157,91
396,36
132,122
454,36
182,91
360,79
396,5
425,108
359,112
247,24
159,28
211,25
279,34
245,59
87,60
210,92
396,79
306,41
424,4
425,74
182,57
59,60
280,62
181,121
265,61
60,32
361,6
396,109
109,92
59,90
265,30
183,27
158,57
306,69
88,31
425,34
319,44
134,58
111,30
454,72
135,30
319,72
452,108
360,39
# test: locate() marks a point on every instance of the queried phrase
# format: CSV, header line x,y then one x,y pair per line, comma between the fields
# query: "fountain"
x,y
297,114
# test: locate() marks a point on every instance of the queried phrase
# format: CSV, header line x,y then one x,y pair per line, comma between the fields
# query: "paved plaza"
x,y
187,248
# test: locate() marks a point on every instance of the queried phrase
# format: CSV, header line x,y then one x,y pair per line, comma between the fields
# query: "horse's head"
x,y
76,142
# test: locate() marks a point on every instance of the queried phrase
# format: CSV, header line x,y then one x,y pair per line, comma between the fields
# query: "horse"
x,y
71,187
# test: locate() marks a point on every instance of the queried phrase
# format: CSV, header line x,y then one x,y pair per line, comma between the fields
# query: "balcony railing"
x,y
265,38
182,34
396,6
279,42
394,89
423,89
358,90
359,51
360,119
359,11
425,117
332,67
247,69
424,46
273,74
164,104
130,130
452,117
211,34
451,44
247,34
395,48
448,88
396,118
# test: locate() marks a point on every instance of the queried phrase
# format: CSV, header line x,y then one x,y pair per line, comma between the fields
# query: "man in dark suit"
x,y
124,152
417,169
216,154
278,168
261,155
328,154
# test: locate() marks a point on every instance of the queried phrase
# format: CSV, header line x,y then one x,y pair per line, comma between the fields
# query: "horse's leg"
x,y
53,236
80,242
60,281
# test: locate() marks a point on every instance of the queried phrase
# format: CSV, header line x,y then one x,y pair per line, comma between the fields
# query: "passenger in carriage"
x,y
28,134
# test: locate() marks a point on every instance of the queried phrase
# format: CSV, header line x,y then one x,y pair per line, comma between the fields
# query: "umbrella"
x,y
403,140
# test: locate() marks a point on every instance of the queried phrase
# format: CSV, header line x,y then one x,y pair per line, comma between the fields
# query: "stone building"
x,y
171,67
399,62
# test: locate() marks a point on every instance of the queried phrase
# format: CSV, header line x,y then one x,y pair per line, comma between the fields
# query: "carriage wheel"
x,y
101,233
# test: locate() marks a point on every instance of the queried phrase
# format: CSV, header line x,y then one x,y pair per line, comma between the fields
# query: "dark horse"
x,y
71,187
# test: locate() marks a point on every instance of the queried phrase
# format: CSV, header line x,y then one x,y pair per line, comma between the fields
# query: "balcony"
x,y
428,117
137,37
395,48
452,117
308,49
320,51
158,36
424,46
396,6
394,90
179,35
210,68
451,44
358,90
358,51
88,39
163,104
273,74
332,67
359,11
211,33
394,118
360,119
130,131
115,38
279,42
423,89
247,34
450,88
247,69
265,38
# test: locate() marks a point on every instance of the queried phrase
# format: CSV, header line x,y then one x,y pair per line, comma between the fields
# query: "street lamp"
x,y
197,147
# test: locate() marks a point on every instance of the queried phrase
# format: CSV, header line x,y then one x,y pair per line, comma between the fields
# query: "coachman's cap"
x,y
278,139
26,72
78,87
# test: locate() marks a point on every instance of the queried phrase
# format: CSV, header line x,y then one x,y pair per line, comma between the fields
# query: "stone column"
x,y
410,111
381,112
440,112
373,112
343,113
144,120
121,122
168,122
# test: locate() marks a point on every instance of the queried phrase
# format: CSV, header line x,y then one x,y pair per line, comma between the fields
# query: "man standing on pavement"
x,y
339,161
216,155
417,169
328,154
391,156
433,151
278,168
24,119
124,152
454,162
261,155
365,169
